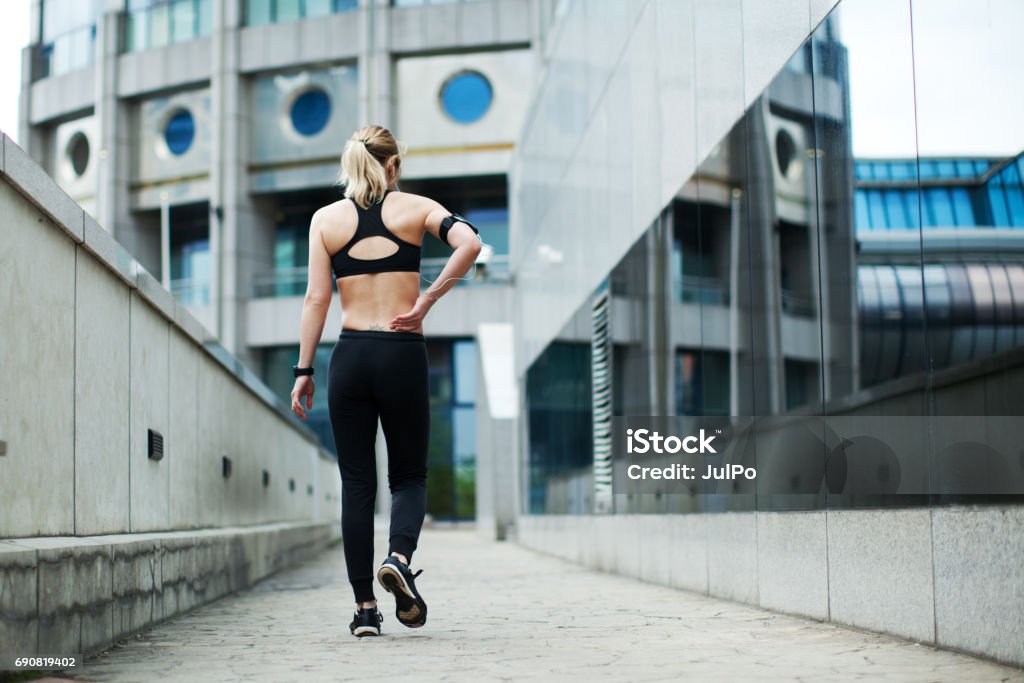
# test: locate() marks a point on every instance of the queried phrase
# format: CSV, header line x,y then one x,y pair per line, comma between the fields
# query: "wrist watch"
x,y
300,372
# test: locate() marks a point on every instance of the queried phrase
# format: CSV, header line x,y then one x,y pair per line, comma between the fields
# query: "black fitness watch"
x,y
300,372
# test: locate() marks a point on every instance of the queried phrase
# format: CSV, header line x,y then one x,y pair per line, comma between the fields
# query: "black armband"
x,y
447,224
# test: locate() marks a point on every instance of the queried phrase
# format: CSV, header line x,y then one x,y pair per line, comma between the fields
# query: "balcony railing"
x,y
192,291
292,281
694,289
164,23
798,305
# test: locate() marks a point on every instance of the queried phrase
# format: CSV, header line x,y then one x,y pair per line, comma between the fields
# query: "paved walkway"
x,y
501,612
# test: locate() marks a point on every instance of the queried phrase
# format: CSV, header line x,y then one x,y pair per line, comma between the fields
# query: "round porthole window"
x,y
466,96
78,153
179,132
785,151
310,112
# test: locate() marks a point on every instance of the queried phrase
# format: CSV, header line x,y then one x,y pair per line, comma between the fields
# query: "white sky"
x,y
970,74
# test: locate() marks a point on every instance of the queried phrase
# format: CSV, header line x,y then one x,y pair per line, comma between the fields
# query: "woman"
x,y
378,368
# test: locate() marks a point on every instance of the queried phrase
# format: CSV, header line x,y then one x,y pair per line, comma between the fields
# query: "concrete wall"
x,y
94,354
949,577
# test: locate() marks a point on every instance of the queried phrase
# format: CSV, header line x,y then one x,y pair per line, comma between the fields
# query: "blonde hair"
x,y
368,155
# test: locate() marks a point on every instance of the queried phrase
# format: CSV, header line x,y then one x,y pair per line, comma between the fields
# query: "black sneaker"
x,y
398,580
366,622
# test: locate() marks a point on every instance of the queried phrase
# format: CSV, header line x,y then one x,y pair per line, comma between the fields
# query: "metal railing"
x,y
694,289
797,305
191,291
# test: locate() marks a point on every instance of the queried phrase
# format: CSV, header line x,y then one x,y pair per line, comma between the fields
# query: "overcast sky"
x,y
970,74
13,37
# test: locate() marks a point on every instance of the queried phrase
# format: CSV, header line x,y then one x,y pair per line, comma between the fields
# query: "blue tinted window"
x,y
876,210
863,171
962,207
860,210
467,96
940,206
493,227
965,168
895,209
947,169
928,170
179,132
903,171
1015,198
997,202
310,112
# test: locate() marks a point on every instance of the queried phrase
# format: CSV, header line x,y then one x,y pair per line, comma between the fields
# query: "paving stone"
x,y
500,611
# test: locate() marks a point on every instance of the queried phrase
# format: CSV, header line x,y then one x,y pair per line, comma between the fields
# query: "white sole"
x,y
366,631
399,583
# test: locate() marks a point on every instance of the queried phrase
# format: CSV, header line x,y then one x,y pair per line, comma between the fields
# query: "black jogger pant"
x,y
379,374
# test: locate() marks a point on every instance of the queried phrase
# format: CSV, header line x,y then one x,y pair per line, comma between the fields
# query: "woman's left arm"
x,y
317,302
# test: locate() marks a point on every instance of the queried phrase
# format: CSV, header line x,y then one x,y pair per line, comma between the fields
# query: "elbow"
x,y
473,248
317,300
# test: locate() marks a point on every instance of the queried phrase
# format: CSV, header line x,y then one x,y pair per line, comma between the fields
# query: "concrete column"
x,y
241,228
498,425
31,140
376,97
113,147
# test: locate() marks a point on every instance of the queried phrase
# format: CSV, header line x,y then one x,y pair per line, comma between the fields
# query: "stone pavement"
x,y
501,612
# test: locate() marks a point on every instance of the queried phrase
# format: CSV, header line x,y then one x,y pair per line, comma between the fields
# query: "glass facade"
x,y
156,23
451,461
191,268
834,254
951,193
272,11
69,35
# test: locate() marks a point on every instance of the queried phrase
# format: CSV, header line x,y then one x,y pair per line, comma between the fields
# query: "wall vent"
x,y
291,484
225,462
266,478
155,441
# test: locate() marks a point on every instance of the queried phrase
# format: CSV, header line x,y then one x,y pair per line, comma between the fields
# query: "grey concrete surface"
x,y
501,612
946,576
112,355
77,594
979,580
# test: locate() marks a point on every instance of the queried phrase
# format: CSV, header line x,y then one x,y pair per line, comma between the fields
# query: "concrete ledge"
x,y
81,594
945,576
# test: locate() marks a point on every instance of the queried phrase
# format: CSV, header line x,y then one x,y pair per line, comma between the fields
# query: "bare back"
x,y
369,301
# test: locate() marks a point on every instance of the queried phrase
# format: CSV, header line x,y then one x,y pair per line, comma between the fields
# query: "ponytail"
x,y
363,164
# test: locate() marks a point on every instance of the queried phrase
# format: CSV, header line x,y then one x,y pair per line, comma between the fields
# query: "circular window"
x,y
310,112
78,153
179,132
466,96
785,151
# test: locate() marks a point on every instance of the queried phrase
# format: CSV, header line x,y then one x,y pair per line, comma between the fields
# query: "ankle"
x,y
401,558
366,605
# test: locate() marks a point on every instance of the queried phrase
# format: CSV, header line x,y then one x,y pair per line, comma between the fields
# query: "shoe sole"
x,y
361,631
408,609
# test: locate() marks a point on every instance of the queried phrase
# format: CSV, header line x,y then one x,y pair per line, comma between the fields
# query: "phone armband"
x,y
451,220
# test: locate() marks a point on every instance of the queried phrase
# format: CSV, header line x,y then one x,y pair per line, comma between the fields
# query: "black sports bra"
x,y
406,259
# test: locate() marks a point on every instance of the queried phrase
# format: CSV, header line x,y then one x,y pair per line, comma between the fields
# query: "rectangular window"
x,y
701,382
940,206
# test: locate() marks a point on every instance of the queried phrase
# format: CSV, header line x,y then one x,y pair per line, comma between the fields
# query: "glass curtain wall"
x,y
68,35
156,23
852,240
272,11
